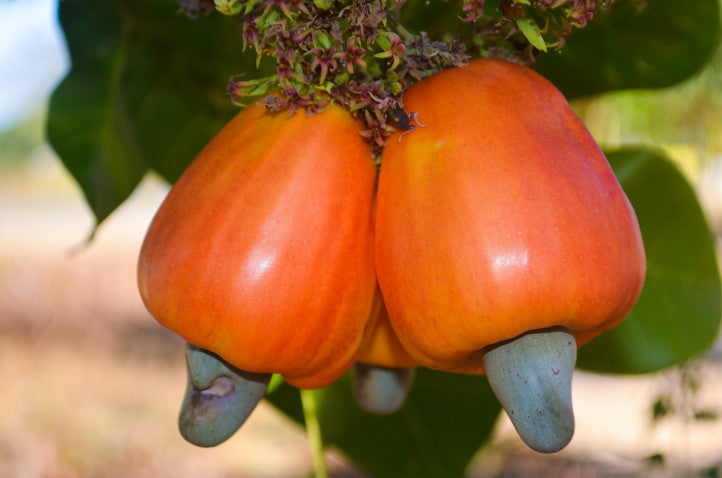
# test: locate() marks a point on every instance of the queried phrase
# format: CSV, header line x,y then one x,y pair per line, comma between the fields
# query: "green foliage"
x,y
628,47
678,314
688,113
145,92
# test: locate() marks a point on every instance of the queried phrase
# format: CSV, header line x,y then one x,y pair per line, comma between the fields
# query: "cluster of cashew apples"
x,y
495,239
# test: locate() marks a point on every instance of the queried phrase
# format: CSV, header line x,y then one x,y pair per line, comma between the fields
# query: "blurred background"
x,y
91,385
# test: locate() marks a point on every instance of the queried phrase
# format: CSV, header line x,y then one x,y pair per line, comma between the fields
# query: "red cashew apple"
x,y
499,216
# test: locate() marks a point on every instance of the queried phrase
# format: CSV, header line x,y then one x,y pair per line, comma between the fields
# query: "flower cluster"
x,y
358,54
516,34
354,53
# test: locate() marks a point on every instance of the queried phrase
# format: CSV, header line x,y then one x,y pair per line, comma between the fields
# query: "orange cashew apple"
x,y
499,216
262,252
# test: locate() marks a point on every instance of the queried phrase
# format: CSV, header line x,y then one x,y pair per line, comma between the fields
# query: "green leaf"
x,y
383,41
87,123
444,422
678,313
323,4
228,7
529,29
322,40
146,91
663,44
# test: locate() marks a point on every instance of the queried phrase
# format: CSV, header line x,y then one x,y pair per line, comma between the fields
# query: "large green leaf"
x,y
678,313
146,91
444,422
628,47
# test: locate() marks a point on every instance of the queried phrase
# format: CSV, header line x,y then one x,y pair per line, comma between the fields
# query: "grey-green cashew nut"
x,y
381,390
531,376
218,399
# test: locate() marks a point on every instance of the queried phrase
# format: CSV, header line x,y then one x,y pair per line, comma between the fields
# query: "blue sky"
x,y
33,58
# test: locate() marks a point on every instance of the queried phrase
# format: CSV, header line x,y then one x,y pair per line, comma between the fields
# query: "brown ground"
x,y
91,384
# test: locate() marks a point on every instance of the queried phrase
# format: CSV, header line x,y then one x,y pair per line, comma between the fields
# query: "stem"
x,y
313,431
404,33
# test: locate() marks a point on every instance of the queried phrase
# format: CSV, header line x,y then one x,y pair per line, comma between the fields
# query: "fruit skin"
x,y
262,252
501,215
381,346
